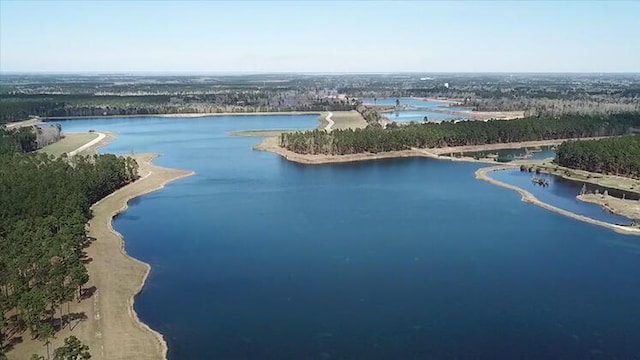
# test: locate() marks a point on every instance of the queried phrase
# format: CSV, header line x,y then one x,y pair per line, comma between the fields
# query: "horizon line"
x,y
186,73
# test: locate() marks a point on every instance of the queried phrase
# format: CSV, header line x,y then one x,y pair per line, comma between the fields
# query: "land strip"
x,y
627,208
483,174
328,121
93,142
106,321
69,143
272,144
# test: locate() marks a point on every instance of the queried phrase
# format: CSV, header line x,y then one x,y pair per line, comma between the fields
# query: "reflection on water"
x,y
415,109
560,193
507,155
255,257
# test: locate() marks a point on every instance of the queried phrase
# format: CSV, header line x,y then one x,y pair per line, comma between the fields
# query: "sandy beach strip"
x,y
483,174
272,144
109,323
118,331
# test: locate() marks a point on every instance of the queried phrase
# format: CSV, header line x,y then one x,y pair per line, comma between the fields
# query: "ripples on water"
x,y
259,258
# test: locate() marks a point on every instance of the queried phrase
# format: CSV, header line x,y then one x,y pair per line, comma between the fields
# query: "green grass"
x,y
348,119
69,143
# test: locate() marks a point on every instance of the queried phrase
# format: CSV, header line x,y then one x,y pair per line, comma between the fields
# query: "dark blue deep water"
x,y
256,257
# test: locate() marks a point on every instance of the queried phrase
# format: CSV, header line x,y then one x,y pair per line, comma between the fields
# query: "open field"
x,y
272,144
340,119
497,115
626,208
69,143
610,181
347,120
19,124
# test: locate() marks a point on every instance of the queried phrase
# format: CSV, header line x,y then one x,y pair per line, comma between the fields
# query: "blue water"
x,y
424,108
418,116
256,257
560,193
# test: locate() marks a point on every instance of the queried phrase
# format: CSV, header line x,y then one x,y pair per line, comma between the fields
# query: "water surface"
x,y
256,257
560,193
422,108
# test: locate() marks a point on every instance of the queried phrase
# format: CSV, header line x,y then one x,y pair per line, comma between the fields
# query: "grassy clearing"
x,y
348,119
69,143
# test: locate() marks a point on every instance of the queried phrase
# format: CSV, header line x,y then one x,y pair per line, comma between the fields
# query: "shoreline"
x,y
483,174
182,115
119,206
271,144
108,323
627,208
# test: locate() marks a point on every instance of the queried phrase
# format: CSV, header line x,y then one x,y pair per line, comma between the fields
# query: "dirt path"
x,y
330,122
91,143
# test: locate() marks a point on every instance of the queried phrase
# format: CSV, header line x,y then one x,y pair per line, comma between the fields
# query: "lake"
x,y
256,257
421,109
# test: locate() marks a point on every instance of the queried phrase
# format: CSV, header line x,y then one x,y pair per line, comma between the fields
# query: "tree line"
x,y
20,107
433,135
44,207
617,156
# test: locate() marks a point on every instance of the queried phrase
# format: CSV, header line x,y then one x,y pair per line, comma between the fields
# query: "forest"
x,y
22,107
614,156
433,135
44,207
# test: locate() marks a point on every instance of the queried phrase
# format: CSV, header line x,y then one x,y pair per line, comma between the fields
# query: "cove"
x,y
256,257
419,109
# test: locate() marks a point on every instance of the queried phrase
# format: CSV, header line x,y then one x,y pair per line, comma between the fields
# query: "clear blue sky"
x,y
330,36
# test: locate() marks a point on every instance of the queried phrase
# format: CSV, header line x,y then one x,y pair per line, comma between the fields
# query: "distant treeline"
x,y
618,156
21,107
433,135
44,207
554,107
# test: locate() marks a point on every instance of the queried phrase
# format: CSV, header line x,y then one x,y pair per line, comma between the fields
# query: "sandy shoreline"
x,y
141,341
272,145
111,326
627,208
483,174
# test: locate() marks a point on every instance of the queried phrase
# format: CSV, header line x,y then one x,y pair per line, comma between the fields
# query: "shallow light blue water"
x,y
423,109
256,257
418,116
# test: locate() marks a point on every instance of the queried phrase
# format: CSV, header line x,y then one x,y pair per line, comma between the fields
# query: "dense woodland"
x,y
44,206
432,135
617,156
